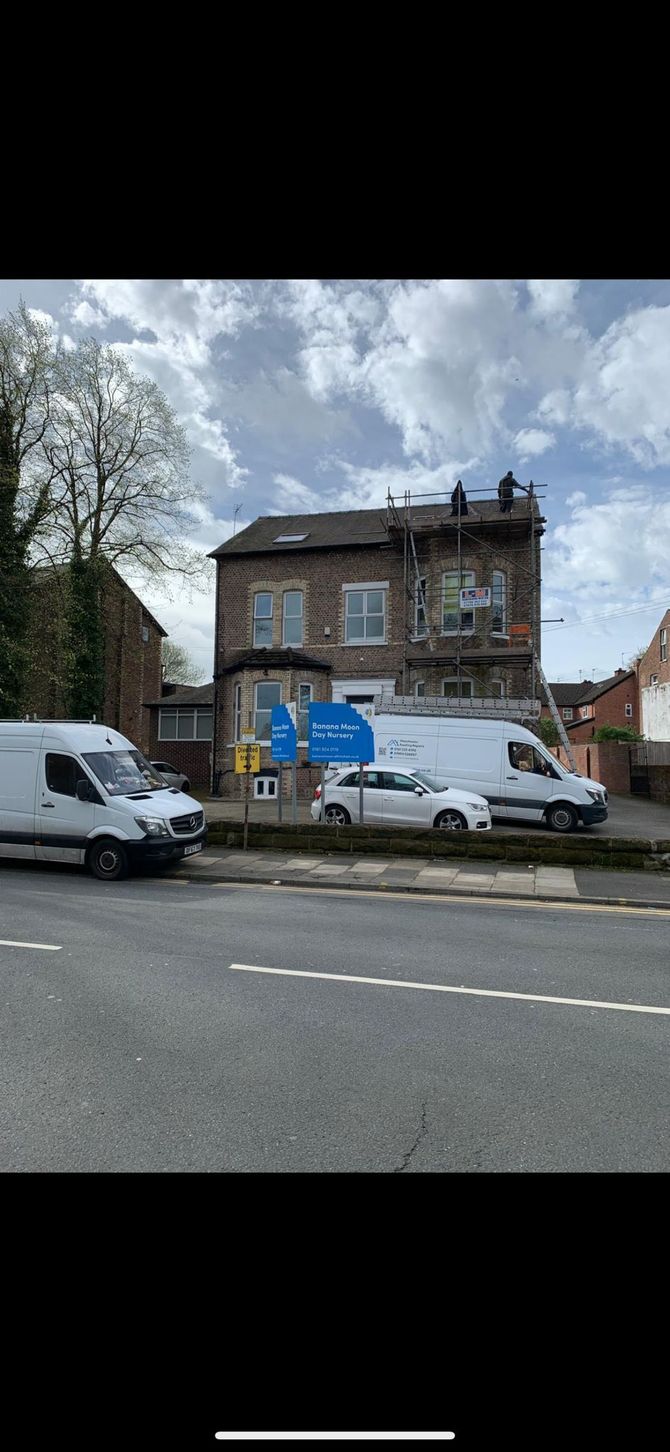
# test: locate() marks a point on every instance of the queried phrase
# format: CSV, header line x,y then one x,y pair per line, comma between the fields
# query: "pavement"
x,y
423,874
628,816
166,1027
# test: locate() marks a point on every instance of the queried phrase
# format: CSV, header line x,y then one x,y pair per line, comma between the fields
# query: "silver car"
x,y
409,798
171,776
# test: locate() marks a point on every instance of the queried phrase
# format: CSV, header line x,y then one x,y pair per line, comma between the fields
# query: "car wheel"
x,y
337,817
451,821
108,860
562,818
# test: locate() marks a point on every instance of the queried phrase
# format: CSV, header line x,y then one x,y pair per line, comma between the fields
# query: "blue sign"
x,y
284,735
339,733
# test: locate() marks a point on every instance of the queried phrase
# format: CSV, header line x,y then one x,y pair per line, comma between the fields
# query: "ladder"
x,y
564,738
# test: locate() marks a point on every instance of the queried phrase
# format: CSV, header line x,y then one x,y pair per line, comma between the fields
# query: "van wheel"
x,y
451,821
562,818
337,817
108,860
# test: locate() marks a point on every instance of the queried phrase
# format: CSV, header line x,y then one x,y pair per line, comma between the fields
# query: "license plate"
x,y
196,847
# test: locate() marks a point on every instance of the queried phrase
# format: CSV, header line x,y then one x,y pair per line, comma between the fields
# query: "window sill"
x,y
451,634
359,643
501,634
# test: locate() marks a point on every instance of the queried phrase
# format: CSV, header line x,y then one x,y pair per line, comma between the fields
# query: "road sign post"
x,y
247,760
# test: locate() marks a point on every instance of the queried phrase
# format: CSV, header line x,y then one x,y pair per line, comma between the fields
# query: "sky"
x,y
321,394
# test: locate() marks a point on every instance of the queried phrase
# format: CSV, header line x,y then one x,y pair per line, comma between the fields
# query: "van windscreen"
x,y
124,772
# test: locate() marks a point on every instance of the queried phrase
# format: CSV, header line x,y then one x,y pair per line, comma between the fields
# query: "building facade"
x,y
346,606
653,673
613,702
180,731
132,653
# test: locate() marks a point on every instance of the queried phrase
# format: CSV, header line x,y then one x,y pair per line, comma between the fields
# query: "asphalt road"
x,y
136,1046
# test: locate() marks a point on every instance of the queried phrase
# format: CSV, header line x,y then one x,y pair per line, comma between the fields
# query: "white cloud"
x,y
553,297
622,396
577,497
529,443
611,554
88,316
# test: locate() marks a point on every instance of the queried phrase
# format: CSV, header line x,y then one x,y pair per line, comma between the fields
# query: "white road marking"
x,y
448,988
48,947
334,1436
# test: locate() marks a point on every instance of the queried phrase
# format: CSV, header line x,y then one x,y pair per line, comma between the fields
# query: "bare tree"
x,y
177,664
27,361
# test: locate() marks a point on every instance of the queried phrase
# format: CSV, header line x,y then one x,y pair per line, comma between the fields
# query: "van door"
x,y
63,822
18,776
528,781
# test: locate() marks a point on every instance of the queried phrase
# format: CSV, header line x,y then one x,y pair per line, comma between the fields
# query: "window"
x,y
450,611
653,680
394,782
420,622
185,724
420,690
237,712
498,603
288,538
370,779
664,644
365,617
567,713
452,687
584,710
498,689
524,757
145,634
292,627
62,773
268,694
304,701
628,710
262,620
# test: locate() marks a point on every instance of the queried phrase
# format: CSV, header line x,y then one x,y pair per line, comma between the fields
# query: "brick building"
x,y
132,648
567,695
180,730
321,607
613,702
653,674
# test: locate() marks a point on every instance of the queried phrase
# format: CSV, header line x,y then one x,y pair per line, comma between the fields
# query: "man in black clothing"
x,y
459,494
506,491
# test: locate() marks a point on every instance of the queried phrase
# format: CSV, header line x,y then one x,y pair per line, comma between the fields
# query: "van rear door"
x,y
63,822
18,774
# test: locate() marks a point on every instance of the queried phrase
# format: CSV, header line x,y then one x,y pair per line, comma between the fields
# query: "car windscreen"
x,y
124,772
435,783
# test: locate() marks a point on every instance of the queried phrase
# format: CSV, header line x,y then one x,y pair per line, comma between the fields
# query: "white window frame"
x,y
146,634
419,690
653,680
237,712
421,631
502,693
453,681
628,710
499,575
663,640
365,590
264,710
193,712
303,686
301,617
567,713
468,581
263,644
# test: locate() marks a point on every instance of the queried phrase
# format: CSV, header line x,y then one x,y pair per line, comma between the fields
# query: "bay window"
x,y
267,695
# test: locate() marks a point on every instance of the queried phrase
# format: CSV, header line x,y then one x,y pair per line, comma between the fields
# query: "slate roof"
x,y
603,686
283,659
566,693
348,527
187,696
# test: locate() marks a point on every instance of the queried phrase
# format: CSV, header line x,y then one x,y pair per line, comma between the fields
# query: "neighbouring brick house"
x,y
653,674
320,607
567,695
132,652
613,702
181,730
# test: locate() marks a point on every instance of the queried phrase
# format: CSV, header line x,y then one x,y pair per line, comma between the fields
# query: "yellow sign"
x,y
247,758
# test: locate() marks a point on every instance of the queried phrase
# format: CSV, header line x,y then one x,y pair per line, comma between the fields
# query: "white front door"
x,y
62,821
401,803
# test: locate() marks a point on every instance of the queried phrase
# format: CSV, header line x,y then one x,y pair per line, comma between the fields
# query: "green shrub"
x,y
617,733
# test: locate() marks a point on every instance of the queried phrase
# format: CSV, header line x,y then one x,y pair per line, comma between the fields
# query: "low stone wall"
x,y
574,849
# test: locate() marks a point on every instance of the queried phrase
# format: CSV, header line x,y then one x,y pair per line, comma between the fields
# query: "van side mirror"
x,y
83,790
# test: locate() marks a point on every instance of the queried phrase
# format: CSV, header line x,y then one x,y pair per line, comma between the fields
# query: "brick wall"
x,y
651,663
659,784
132,671
609,710
605,761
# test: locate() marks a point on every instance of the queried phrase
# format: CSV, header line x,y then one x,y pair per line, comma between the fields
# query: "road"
x,y
129,1042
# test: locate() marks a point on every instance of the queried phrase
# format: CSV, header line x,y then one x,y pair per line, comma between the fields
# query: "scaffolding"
x,y
404,525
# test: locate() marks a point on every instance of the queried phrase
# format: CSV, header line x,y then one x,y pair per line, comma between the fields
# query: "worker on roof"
x,y
459,500
506,491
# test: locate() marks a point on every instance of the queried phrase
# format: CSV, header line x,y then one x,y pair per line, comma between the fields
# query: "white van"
x,y
80,792
498,760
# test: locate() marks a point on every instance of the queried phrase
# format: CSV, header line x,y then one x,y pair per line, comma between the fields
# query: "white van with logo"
x,y
498,760
80,792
